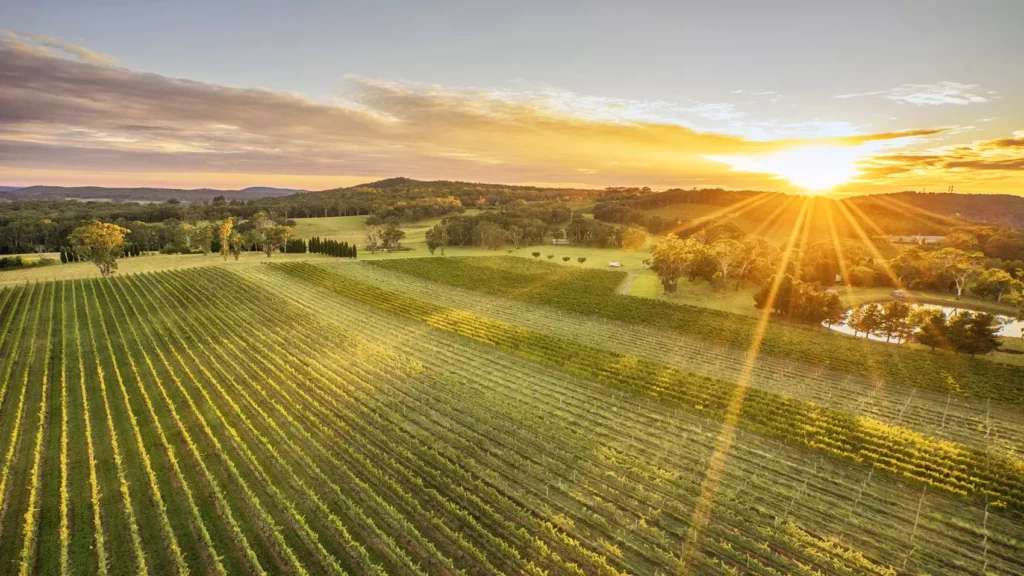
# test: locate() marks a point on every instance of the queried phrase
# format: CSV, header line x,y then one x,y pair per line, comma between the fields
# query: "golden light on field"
x,y
814,169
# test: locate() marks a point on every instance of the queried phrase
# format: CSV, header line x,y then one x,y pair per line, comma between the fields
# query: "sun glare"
x,y
816,170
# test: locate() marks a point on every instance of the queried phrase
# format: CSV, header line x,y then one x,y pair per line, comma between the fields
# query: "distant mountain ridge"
x,y
140,194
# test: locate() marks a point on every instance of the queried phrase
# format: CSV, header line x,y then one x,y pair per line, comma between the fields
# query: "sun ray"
x,y
731,210
771,218
838,244
919,214
801,248
859,230
727,435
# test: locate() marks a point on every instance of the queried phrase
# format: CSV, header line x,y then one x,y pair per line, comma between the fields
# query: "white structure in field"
x,y
615,264
917,239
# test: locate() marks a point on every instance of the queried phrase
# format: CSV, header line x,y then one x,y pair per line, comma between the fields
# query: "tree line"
x,y
330,247
962,332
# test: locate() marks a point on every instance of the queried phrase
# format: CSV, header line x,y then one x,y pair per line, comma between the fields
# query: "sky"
x,y
799,96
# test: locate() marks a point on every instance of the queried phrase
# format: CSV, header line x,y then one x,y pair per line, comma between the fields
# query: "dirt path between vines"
x,y
625,285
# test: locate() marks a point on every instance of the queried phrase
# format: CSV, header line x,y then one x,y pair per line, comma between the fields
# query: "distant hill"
x,y
139,194
372,196
9,188
1001,209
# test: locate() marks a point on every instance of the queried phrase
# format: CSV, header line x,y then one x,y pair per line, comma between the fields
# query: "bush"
x,y
536,254
581,259
17,262
565,258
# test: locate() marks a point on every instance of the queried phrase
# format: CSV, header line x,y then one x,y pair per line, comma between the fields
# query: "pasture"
x,y
313,416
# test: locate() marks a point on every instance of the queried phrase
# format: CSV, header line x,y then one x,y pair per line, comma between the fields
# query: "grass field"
x,y
329,417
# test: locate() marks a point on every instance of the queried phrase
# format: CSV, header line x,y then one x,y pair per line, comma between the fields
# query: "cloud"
x,y
67,109
83,54
981,163
932,94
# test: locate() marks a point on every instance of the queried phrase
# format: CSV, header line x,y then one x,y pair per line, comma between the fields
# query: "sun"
x,y
814,169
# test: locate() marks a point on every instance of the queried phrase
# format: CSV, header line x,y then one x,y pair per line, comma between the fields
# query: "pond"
x,y
1010,328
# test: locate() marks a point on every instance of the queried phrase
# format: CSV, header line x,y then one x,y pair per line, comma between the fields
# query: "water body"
x,y
1011,328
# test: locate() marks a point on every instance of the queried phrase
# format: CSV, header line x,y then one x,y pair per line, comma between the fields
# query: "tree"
x,y
862,276
373,237
565,258
833,310
491,235
267,234
855,319
909,267
757,260
536,254
237,241
515,234
581,259
100,243
224,231
273,237
550,256
438,236
956,266
670,257
47,228
633,238
995,283
973,332
931,327
982,334
782,302
896,321
391,236
867,319
961,240
204,237
726,254
184,236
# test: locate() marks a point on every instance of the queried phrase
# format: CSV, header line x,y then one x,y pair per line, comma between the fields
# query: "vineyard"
x,y
343,418
592,292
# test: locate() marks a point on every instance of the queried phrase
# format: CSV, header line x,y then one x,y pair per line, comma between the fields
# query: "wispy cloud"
x,y
932,94
48,43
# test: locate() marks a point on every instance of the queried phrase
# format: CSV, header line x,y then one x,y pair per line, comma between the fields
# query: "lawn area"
x,y
341,228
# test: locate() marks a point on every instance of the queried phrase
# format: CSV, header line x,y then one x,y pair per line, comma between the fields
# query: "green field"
x,y
318,416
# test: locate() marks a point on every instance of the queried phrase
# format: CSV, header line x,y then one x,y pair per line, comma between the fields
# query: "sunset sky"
x,y
845,97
